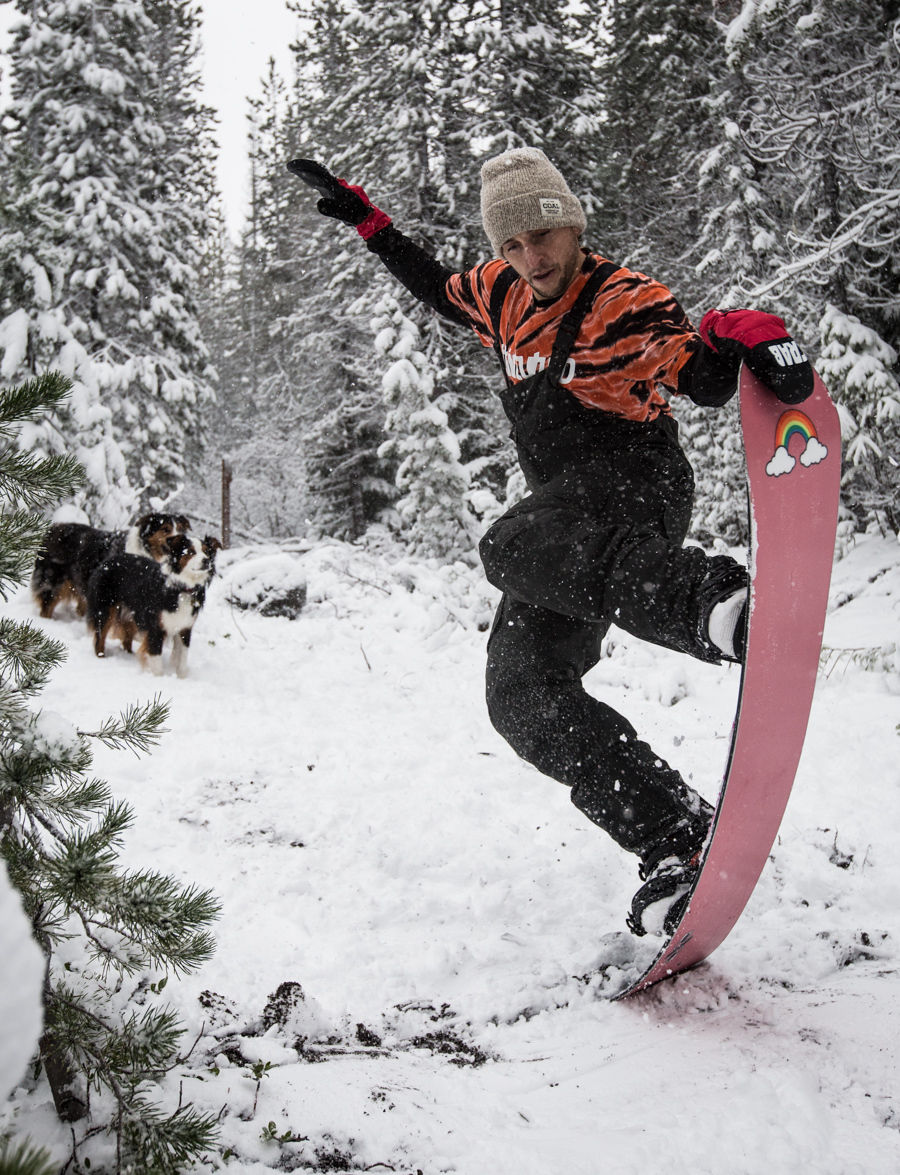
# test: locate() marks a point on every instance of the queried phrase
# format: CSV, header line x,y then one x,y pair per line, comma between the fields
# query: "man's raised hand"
x,y
340,200
763,342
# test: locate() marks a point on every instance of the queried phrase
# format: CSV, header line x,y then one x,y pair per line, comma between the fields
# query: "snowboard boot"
x,y
658,905
668,870
722,608
728,625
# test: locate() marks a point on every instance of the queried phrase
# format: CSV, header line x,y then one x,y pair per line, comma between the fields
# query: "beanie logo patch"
x,y
550,207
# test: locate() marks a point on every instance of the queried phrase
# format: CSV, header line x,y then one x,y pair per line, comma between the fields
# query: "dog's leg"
x,y
181,642
101,625
46,601
150,651
55,589
127,631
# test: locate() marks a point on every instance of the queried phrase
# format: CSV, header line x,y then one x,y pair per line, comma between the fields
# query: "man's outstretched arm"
x,y
423,275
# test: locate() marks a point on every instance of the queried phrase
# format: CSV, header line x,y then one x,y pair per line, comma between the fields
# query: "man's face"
x,y
547,258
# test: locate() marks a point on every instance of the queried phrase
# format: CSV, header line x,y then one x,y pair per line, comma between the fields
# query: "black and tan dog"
x,y
72,551
137,599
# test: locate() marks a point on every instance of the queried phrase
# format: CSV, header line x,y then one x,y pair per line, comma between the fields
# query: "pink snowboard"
x,y
793,470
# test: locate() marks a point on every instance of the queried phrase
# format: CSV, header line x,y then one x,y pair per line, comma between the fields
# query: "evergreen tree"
x,y
818,115
857,360
679,187
101,927
106,220
433,512
258,425
328,331
655,77
512,75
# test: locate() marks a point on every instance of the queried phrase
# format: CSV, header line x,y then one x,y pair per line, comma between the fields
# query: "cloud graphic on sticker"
x,y
814,452
782,462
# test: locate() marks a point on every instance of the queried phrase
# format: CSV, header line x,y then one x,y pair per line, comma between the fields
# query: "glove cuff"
x,y
374,222
749,328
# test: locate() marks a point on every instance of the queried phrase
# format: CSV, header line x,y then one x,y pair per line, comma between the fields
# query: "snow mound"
x,y
272,583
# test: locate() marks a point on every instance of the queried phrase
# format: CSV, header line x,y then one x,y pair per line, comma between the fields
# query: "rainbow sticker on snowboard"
x,y
794,484
794,426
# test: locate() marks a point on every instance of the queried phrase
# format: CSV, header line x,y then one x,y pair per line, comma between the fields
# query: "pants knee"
x,y
510,710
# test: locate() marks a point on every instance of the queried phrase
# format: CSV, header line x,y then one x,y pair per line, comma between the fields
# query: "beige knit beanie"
x,y
521,191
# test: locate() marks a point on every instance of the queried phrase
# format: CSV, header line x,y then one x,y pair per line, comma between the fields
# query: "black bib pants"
x,y
599,540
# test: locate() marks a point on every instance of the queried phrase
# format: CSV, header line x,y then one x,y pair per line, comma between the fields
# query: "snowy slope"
x,y
335,780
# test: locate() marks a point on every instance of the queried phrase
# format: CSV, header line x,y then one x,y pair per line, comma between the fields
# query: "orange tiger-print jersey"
x,y
634,340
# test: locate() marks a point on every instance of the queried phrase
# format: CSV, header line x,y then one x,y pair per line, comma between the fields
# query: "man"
x,y
588,348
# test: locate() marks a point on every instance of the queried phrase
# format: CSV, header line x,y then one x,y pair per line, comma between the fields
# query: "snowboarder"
x,y
588,348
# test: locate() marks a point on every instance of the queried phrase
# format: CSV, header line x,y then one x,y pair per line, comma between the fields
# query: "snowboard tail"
x,y
793,456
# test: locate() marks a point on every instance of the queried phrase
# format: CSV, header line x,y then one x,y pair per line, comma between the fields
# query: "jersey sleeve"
x,y
649,338
470,293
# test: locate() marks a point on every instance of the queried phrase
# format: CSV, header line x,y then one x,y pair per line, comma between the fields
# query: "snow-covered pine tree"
x,y
531,81
258,424
107,207
828,125
857,361
411,151
106,1041
736,246
452,86
35,334
654,76
661,78
435,520
343,108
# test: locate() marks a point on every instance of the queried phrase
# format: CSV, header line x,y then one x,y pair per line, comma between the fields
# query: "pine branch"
x,y
165,918
35,483
37,756
138,728
154,1142
24,1159
78,799
21,534
27,655
26,401
125,1057
83,871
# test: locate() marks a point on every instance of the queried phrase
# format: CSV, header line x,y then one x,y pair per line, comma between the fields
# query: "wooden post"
x,y
226,503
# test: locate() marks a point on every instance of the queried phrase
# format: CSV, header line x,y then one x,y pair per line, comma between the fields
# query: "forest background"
x,y
742,153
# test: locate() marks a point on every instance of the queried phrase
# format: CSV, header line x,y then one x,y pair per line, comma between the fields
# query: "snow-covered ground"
x,y
335,780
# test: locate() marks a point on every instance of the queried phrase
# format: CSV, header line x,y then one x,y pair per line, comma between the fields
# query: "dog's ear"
x,y
181,522
147,524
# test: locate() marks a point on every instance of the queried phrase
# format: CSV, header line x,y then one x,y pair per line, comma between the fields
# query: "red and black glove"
x,y
339,199
763,343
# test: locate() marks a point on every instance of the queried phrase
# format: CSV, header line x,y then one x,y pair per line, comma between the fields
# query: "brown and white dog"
x,y
135,598
71,552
